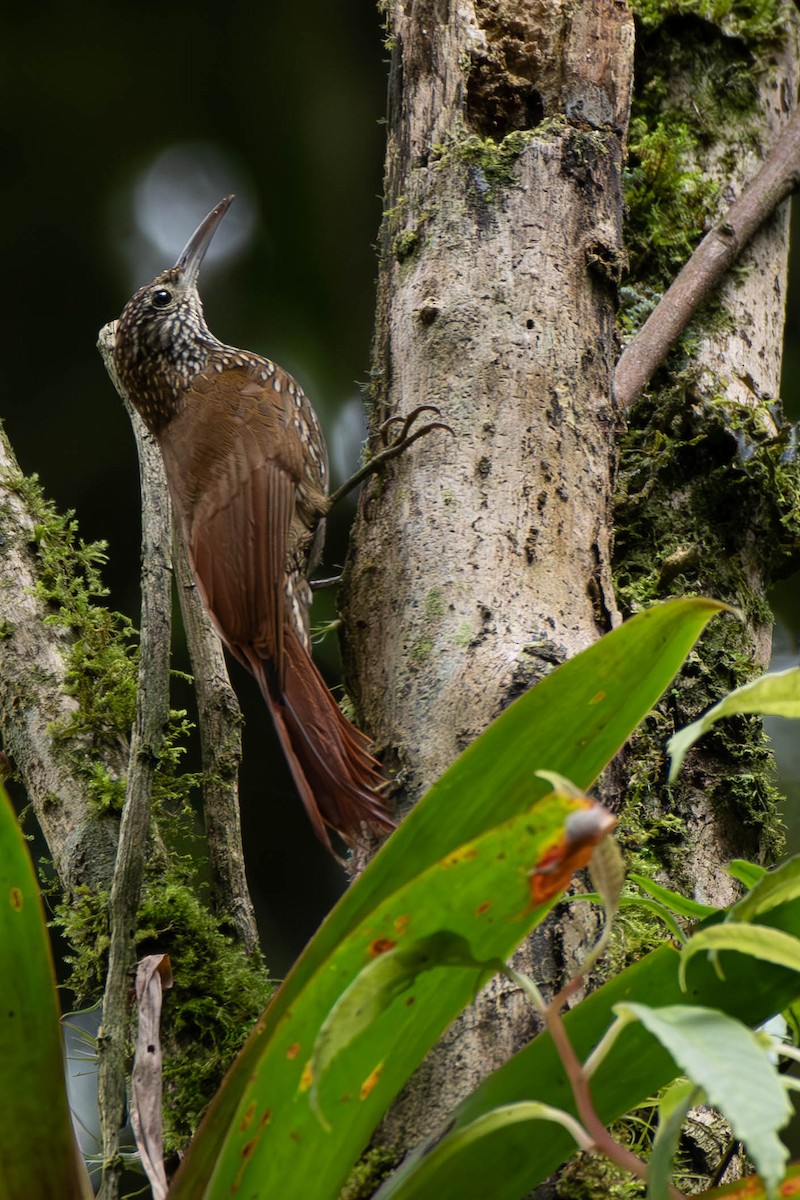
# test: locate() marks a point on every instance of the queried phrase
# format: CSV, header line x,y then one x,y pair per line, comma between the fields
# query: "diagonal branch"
x,y
777,179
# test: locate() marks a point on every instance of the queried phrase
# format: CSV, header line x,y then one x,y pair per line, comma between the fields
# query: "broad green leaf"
x,y
38,1154
672,1113
572,722
463,1155
673,900
746,872
773,888
340,1054
508,1164
393,972
769,945
727,1061
776,694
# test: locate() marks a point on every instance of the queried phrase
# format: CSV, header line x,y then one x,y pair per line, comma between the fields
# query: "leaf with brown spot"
x,y
573,721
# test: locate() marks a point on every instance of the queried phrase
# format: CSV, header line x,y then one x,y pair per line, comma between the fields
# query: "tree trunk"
x,y
481,560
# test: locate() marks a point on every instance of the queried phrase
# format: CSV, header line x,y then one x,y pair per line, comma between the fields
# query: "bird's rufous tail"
x,y
336,776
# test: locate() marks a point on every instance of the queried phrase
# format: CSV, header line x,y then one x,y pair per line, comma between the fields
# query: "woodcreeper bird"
x,y
247,471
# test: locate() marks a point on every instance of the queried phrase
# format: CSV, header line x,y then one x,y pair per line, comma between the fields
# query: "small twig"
x,y
777,179
402,441
601,1139
220,722
152,714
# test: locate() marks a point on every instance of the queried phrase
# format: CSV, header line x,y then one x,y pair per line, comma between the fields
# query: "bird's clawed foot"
x,y
392,445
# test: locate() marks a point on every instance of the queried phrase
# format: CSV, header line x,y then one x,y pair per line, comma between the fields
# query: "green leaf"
x,y
572,722
727,1061
769,945
746,872
673,900
39,1158
776,694
340,1053
508,1164
672,1112
771,889
391,974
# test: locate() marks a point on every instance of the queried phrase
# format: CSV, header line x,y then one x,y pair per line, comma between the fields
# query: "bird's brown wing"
x,y
238,526
252,521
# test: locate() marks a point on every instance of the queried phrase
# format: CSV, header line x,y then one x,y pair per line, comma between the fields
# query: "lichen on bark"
x,y
705,500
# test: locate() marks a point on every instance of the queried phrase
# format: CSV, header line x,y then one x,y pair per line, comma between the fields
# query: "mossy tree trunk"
x,y
481,560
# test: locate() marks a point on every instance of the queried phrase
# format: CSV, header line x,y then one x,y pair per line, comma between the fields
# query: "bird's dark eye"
x,y
161,298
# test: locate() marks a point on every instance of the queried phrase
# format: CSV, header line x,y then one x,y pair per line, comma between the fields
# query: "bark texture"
x,y
34,696
482,560
704,503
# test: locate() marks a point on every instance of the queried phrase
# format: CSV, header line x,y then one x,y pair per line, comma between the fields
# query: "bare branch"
x,y
152,715
777,179
220,722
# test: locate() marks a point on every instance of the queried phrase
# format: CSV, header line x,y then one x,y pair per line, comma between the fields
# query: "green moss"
x,y
83,920
217,995
706,502
752,21
689,470
671,200
421,649
434,604
492,161
464,634
219,991
590,1177
406,243
368,1173
101,672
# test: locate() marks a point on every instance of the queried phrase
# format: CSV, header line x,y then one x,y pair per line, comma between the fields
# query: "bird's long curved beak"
x,y
193,253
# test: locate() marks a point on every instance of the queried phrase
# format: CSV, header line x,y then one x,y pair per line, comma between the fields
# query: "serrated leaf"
x,y
725,1059
776,694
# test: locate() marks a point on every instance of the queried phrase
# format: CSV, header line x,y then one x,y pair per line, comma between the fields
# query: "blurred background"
x,y
122,126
